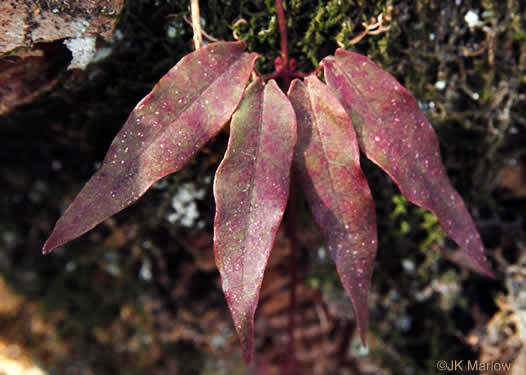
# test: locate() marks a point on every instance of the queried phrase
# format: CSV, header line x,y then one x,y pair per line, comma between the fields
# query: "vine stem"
x,y
283,32
285,71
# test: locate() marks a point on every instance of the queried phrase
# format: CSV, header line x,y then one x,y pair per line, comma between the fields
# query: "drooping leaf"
x,y
327,163
251,189
394,133
186,108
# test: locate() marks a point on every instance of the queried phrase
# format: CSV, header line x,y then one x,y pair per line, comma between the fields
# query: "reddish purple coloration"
x,y
395,134
327,163
251,190
197,97
186,108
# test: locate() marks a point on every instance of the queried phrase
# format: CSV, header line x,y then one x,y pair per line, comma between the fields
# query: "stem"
x,y
285,72
196,24
283,31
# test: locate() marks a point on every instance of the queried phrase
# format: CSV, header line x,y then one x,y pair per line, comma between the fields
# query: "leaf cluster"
x,y
314,132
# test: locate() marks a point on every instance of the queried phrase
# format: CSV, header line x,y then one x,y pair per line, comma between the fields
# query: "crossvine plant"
x,y
306,131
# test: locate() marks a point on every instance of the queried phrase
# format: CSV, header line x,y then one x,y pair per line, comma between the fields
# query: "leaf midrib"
x,y
252,178
423,203
333,190
184,110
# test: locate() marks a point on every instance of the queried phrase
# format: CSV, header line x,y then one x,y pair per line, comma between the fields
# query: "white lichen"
x,y
440,85
472,19
184,203
83,51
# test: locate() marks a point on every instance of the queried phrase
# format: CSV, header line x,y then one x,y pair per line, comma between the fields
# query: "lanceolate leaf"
x,y
251,189
186,108
327,162
395,134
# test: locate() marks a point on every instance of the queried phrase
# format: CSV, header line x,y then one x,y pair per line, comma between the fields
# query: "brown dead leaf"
x,y
30,73
24,23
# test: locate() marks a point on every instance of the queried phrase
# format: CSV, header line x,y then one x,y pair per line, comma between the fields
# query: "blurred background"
x,y
140,294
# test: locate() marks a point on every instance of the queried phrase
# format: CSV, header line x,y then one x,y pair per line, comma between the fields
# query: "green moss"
x,y
430,225
400,208
328,18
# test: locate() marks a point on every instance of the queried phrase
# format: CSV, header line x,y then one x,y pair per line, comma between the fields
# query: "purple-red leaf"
x,y
395,134
251,189
327,162
186,108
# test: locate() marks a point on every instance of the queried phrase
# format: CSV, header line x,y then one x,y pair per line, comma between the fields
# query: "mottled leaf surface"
x,y
251,190
186,108
327,163
395,134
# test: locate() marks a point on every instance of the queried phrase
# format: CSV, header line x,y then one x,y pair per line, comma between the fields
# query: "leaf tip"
x,y
245,331
61,235
51,244
362,319
248,354
484,268
489,273
363,337
476,252
243,317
